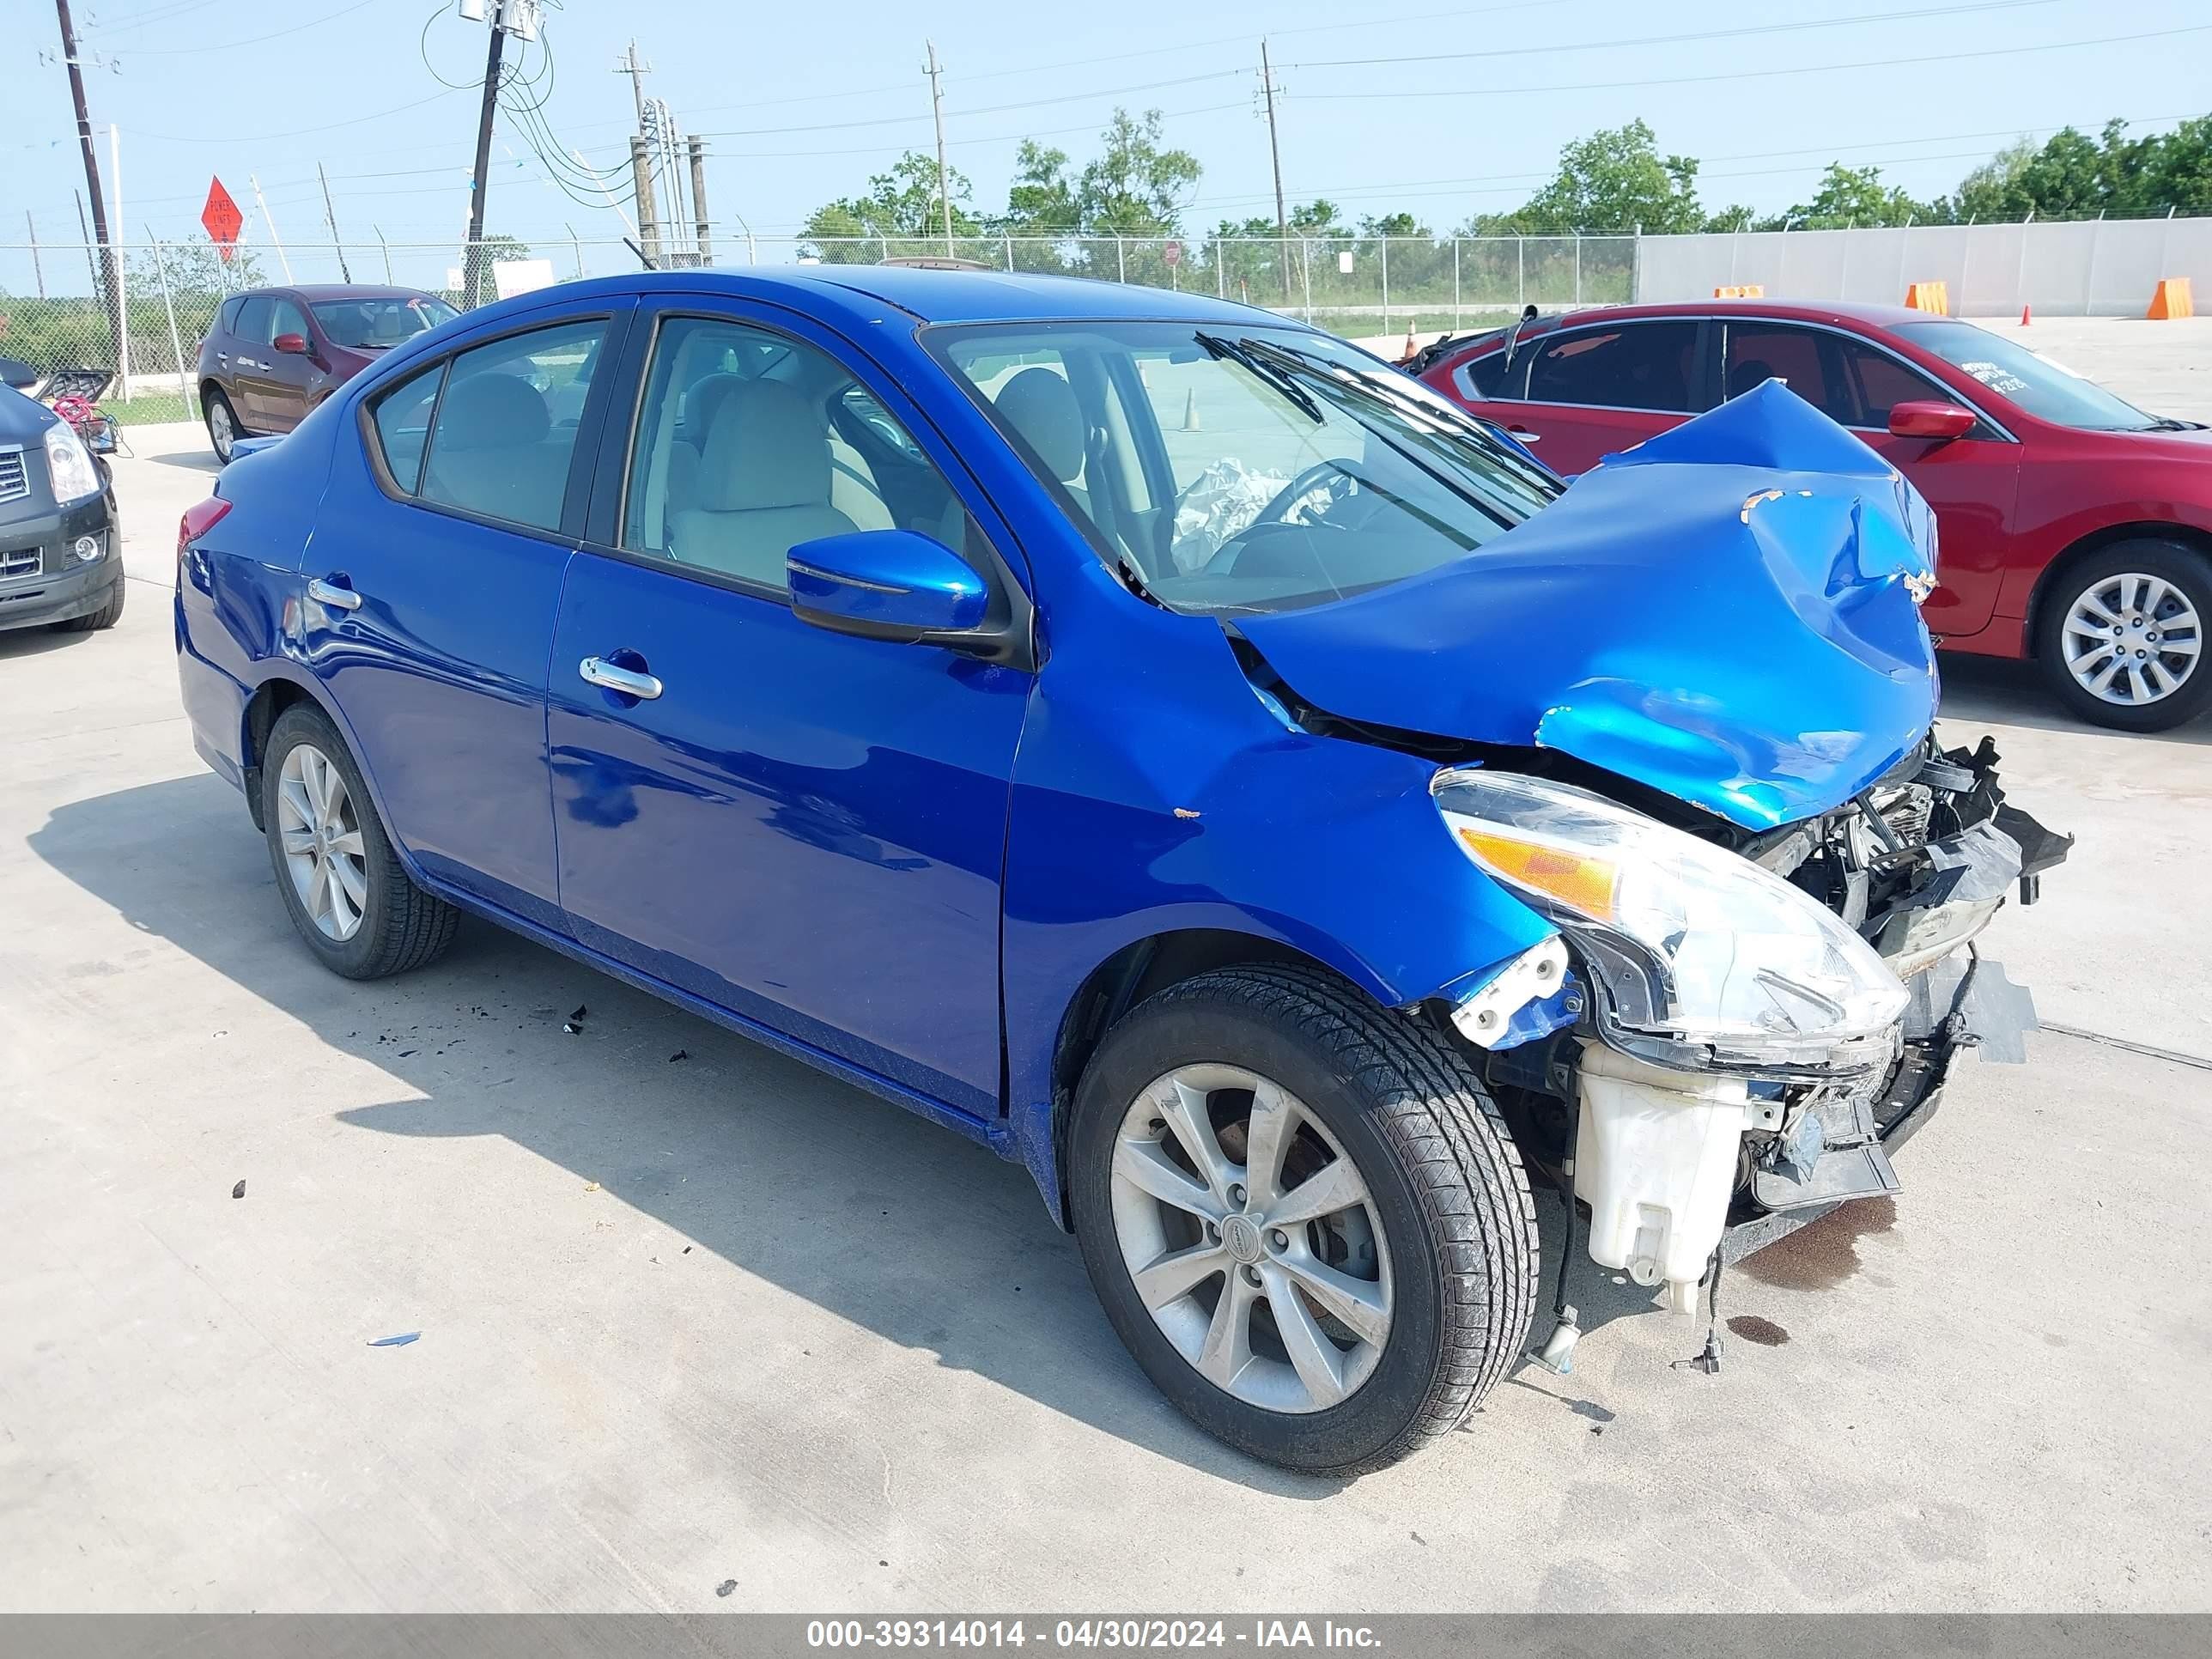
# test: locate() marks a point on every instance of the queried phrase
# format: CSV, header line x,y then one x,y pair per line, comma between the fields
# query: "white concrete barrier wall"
x,y
2092,268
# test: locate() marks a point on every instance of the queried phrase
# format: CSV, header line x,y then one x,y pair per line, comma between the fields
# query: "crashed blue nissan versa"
x,y
1166,745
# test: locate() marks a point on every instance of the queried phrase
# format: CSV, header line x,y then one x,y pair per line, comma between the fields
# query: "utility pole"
x,y
472,278
937,107
276,241
649,223
637,70
106,274
121,276
699,196
330,218
1275,153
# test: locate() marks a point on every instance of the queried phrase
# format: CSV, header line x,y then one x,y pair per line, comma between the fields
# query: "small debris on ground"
x,y
398,1341
591,1186
570,1027
687,1249
726,1587
239,1191
681,1053
579,1015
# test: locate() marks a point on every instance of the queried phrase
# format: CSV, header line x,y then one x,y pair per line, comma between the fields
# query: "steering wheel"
x,y
1330,474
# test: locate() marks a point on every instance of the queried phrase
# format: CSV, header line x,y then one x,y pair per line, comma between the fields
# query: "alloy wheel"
x,y
2131,639
1252,1238
220,428
320,834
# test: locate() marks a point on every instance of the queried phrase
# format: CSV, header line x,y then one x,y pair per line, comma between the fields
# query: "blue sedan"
x,y
1165,744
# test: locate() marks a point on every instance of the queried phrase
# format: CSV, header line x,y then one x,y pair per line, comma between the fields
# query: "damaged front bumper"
x,y
1679,1153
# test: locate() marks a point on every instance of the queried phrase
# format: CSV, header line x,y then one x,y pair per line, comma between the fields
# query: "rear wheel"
x,y
347,892
223,429
1303,1216
2121,638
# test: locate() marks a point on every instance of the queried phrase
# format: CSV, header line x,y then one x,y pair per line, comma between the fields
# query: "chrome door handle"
x,y
330,594
596,671
1521,434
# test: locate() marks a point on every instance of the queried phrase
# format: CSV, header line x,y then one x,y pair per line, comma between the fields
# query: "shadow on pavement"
x,y
863,1209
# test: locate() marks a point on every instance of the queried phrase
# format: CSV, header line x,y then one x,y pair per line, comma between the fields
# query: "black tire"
x,y
107,616
2188,571
402,927
208,405
1445,1180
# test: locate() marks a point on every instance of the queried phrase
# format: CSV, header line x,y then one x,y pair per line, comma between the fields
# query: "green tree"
x,y
902,204
1136,186
1614,180
1857,196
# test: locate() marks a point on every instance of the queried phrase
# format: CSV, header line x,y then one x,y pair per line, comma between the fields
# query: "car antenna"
x,y
641,257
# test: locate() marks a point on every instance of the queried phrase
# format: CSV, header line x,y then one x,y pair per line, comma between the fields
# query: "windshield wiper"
x,y
1245,355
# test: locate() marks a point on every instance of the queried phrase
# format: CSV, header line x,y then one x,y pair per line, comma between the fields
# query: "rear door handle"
x,y
1521,435
330,594
597,671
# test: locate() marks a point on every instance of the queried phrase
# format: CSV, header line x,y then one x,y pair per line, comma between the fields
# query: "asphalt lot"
x,y
724,1320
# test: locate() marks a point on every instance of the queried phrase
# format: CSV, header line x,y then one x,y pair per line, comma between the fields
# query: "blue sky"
x,y
801,102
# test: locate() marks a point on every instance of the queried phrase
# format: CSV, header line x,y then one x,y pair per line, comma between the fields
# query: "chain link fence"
x,y
56,310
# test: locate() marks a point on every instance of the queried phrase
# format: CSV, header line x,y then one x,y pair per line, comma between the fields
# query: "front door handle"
x,y
329,593
1521,435
597,671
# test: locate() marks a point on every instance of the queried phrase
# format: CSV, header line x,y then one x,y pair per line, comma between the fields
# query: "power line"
x,y
251,40
1397,93
1917,14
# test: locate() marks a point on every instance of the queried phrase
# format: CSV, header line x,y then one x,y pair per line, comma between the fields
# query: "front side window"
x,y
1803,359
285,318
749,443
1235,469
373,325
1640,366
506,427
2037,384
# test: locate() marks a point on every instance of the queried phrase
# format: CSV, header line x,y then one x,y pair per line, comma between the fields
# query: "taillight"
x,y
199,518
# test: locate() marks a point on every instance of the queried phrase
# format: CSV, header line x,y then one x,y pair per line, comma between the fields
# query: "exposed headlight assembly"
x,y
69,465
1701,959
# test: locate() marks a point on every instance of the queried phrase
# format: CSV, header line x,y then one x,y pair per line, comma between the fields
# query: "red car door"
x,y
1585,393
1972,481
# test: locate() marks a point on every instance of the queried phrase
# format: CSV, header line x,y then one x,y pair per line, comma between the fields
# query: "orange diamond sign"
x,y
222,219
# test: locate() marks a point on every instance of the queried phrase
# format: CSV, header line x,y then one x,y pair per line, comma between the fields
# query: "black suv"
x,y
61,548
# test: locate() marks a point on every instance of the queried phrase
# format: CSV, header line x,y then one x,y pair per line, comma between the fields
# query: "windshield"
x,y
1224,469
373,325
2042,388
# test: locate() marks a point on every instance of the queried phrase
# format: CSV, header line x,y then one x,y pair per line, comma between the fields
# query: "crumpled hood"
x,y
1726,612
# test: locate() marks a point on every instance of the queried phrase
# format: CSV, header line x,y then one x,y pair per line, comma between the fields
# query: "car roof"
x,y
312,292
1822,311
860,293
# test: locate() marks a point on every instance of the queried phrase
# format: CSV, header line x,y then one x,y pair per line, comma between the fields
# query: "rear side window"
x,y
403,425
227,320
251,323
1484,375
1633,365
1801,358
505,430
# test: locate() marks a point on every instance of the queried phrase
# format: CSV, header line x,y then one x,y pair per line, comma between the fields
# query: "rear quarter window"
x,y
402,420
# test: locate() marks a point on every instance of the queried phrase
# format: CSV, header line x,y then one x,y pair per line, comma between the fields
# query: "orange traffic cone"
x,y
2024,317
1410,348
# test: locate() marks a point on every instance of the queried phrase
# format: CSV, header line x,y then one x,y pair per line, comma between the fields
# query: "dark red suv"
x,y
2075,529
275,353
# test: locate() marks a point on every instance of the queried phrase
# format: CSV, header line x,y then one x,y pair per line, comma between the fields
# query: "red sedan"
x,y
2076,529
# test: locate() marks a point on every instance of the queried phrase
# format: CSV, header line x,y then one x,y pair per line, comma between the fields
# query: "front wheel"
x,y
1303,1216
2121,637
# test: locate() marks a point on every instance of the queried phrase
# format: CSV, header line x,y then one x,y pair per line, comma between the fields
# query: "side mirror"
x,y
887,585
296,344
1929,419
14,372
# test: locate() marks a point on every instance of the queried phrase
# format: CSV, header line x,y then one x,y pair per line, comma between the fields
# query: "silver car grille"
x,y
14,474
18,561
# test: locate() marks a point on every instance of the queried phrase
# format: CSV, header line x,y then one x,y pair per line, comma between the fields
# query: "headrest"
x,y
492,411
766,449
1041,405
704,401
